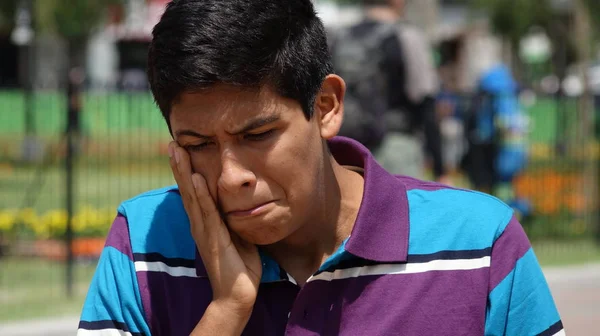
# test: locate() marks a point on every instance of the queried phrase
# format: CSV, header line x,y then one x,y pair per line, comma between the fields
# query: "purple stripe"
x,y
118,236
507,249
175,305
431,303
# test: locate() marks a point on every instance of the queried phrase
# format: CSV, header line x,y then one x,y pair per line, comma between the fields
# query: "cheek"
x,y
293,166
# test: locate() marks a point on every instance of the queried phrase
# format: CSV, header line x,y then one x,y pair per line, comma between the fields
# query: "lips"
x,y
252,211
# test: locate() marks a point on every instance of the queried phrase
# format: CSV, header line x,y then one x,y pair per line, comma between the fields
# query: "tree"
x,y
512,20
7,14
74,21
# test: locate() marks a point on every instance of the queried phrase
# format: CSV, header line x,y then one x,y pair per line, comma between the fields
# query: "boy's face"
x,y
262,160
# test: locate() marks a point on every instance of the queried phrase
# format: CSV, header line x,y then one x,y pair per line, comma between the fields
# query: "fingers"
x,y
180,165
198,203
208,209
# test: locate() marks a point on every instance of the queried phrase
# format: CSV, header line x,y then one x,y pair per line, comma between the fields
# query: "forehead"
x,y
225,103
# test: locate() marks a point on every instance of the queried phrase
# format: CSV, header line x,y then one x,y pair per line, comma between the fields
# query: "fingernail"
x,y
177,156
170,149
195,181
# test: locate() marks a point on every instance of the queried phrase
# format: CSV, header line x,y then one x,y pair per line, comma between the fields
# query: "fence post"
x,y
74,82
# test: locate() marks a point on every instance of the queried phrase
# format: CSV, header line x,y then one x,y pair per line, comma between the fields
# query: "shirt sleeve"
x,y
113,305
519,301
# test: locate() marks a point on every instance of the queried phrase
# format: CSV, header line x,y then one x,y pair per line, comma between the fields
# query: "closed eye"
x,y
198,147
259,136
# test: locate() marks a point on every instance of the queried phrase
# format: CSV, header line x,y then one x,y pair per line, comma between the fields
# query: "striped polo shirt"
x,y
422,259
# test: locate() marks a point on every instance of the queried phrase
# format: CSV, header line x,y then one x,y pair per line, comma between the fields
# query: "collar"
x,y
380,232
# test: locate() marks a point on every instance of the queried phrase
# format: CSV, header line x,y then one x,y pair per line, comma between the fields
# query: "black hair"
x,y
247,43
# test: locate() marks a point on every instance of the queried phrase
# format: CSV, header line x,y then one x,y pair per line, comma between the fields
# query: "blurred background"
x,y
79,133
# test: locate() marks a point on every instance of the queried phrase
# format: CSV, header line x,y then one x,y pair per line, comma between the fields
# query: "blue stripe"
x,y
498,305
522,303
531,299
340,255
341,258
160,224
114,293
271,271
454,220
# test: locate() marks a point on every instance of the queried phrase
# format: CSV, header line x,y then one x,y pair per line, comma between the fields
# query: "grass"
x,y
34,288
562,253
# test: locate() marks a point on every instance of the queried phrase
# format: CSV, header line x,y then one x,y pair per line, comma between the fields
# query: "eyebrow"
x,y
256,123
250,125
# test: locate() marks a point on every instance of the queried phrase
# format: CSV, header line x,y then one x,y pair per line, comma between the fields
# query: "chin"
x,y
261,231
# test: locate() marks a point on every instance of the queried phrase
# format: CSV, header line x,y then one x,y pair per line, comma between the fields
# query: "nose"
x,y
234,175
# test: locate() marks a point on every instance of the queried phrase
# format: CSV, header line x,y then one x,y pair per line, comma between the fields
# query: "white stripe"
x,y
291,279
560,333
103,332
381,269
159,266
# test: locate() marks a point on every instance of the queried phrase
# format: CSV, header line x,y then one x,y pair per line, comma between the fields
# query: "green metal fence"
x,y
121,151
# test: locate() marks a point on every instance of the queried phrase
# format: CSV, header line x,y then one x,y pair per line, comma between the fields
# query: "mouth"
x,y
255,211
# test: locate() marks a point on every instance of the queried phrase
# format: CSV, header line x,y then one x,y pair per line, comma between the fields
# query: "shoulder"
x,y
150,198
446,218
158,223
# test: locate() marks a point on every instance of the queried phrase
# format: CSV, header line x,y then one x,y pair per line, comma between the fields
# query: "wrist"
x,y
231,308
223,318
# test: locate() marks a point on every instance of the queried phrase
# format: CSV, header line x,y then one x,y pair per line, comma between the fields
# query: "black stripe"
x,y
556,327
172,262
450,255
106,324
412,258
354,262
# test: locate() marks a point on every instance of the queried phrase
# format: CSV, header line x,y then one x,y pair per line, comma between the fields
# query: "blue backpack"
x,y
500,119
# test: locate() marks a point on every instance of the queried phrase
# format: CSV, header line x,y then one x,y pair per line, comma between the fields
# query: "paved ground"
x,y
576,291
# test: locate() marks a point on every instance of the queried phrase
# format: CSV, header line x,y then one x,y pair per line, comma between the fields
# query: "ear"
x,y
329,106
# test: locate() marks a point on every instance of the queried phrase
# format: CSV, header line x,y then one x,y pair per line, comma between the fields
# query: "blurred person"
x,y
497,136
277,226
451,129
391,87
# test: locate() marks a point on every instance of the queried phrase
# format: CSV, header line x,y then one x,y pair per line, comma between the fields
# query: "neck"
x,y
302,253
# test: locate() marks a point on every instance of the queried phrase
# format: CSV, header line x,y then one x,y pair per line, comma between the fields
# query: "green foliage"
x,y
71,19
513,18
7,14
593,6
